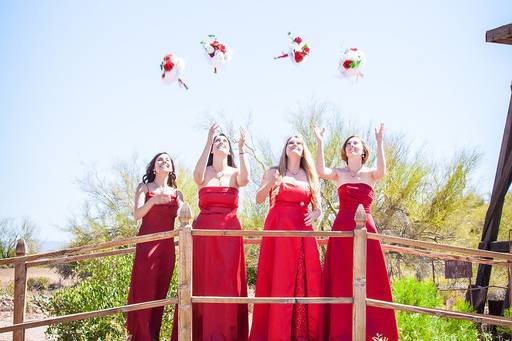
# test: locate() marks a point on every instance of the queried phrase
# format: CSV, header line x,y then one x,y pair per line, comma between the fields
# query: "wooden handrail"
x,y
445,256
88,315
273,300
478,318
92,247
69,259
271,233
185,300
441,247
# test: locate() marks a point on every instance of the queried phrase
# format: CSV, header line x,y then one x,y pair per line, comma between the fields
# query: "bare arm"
x,y
141,207
315,213
179,198
243,175
380,171
269,181
200,168
323,172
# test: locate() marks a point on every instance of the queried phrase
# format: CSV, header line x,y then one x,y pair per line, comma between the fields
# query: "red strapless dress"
x,y
337,275
152,271
218,269
288,266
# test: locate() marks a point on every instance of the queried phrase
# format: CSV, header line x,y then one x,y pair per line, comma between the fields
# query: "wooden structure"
x,y
502,180
185,298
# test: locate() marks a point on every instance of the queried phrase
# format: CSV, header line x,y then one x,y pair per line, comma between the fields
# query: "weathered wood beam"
x,y
500,35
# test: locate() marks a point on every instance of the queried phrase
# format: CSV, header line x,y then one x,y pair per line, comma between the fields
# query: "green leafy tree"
x,y
11,231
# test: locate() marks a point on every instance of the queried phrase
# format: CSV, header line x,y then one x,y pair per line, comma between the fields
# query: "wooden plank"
x,y
20,291
359,278
500,187
500,35
441,247
273,300
185,284
92,247
500,246
271,233
477,318
88,315
70,259
445,256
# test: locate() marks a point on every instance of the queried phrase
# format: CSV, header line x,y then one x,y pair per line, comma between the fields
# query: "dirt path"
x,y
6,280
33,334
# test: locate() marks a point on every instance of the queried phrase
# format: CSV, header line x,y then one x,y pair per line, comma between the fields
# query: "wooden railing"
x,y
185,298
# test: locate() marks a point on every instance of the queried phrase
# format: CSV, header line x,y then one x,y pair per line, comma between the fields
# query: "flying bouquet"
x,y
298,51
217,52
352,63
172,69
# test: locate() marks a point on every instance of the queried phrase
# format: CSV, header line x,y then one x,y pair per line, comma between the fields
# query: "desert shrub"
x,y
38,283
415,326
106,287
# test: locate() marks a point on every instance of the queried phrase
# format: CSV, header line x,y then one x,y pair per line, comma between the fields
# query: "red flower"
x,y
167,57
299,56
347,63
218,46
305,50
353,49
297,40
168,65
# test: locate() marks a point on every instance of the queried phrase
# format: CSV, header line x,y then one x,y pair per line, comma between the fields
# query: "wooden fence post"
x,y
185,275
20,291
359,277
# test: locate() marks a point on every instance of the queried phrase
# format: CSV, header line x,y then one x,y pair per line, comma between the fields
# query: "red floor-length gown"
x,y
218,269
152,271
288,266
337,275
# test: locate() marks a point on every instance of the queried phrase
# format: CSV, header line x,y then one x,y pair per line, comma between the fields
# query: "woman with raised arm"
x,y
355,184
156,202
219,262
289,266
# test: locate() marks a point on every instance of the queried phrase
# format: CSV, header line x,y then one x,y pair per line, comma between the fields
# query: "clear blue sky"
x,y
80,82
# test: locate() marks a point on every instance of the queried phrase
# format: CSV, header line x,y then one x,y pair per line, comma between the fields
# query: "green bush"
x,y
106,287
505,330
37,283
415,326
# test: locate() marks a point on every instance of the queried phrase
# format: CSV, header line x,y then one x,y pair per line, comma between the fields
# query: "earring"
x,y
154,171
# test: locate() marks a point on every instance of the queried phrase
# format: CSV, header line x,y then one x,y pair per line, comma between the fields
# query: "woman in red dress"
x,y
156,202
219,262
289,266
355,186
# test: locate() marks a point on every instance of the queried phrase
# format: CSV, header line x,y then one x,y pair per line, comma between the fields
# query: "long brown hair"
x,y
150,171
366,150
231,155
306,163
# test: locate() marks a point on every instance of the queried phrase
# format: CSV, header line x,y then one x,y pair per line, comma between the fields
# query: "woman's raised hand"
x,y
379,134
211,132
319,133
241,141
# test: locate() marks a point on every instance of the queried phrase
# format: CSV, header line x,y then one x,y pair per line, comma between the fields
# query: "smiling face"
x,y
354,146
163,164
294,147
221,146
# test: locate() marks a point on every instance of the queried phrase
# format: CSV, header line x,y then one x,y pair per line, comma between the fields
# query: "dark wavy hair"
x,y
150,171
231,155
